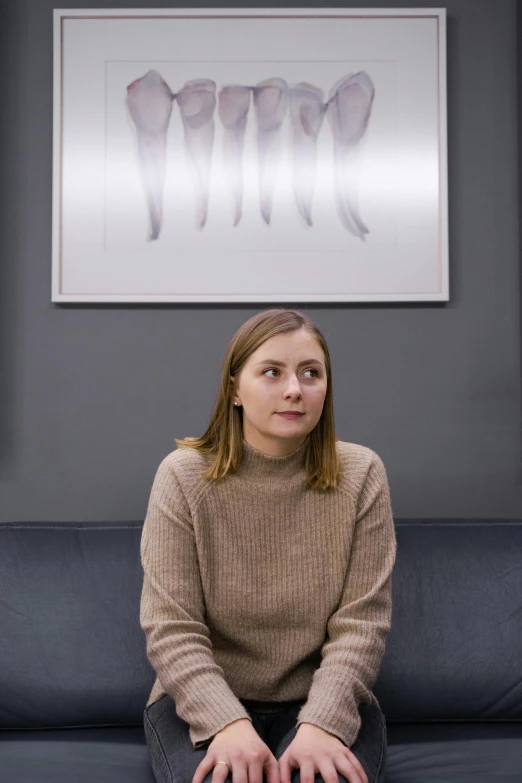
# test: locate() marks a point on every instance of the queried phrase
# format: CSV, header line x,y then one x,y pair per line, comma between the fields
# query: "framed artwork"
x,y
250,155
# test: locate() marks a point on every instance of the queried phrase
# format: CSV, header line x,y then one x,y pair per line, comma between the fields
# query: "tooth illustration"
x,y
233,105
307,113
349,107
197,101
270,102
149,102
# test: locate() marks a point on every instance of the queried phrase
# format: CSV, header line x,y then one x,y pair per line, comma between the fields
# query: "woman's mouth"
x,y
290,415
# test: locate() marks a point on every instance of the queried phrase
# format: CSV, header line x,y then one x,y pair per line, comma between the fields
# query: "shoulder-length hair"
x,y
223,438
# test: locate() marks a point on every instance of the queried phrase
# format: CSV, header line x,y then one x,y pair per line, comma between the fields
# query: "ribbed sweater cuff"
x,y
333,711
210,711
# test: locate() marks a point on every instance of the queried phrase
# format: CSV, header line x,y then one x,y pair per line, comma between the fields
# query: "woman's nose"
x,y
293,386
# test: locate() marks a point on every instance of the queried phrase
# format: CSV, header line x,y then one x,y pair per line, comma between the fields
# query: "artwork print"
x,y
249,155
348,107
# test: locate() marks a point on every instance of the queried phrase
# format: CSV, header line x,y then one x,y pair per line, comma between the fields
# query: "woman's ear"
x,y
232,394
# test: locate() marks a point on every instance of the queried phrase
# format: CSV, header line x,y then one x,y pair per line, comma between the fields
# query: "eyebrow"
x,y
282,364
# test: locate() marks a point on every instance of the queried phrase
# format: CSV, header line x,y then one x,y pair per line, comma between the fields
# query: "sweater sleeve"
x,y
357,630
172,614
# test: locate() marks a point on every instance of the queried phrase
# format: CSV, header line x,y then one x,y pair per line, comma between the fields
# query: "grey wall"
x,y
92,396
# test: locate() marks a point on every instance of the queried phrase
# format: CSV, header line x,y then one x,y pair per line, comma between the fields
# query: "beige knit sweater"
x,y
256,588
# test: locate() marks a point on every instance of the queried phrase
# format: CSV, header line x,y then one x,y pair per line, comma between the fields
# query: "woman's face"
x,y
286,373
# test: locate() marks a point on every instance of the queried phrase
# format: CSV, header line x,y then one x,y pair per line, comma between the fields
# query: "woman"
x,y
267,550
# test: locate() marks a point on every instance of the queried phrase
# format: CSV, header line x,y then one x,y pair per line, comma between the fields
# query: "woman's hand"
x,y
246,754
315,750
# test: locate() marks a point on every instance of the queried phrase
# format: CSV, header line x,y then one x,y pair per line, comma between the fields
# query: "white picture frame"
x,y
329,154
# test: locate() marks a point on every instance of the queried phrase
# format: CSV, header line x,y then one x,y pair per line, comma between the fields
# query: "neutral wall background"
x,y
92,396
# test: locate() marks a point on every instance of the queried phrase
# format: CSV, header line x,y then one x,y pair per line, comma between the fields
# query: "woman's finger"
x,y
350,767
255,771
206,766
273,773
329,773
306,770
285,770
238,768
357,764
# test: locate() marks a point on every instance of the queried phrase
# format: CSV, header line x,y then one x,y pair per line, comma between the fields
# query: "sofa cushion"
x,y
423,753
453,752
110,755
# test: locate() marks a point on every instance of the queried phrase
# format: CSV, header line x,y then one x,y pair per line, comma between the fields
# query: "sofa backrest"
x,y
454,651
72,652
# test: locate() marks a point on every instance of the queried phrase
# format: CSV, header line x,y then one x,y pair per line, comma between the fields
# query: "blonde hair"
x,y
224,436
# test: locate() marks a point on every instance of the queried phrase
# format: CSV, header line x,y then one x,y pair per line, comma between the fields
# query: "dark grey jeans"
x,y
175,760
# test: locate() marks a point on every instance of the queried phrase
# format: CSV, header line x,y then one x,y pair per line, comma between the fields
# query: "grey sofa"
x,y
74,676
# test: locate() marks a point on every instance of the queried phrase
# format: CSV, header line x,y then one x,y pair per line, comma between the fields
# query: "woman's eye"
x,y
310,369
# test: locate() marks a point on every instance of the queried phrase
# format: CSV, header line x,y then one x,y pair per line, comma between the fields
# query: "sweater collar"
x,y
258,462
